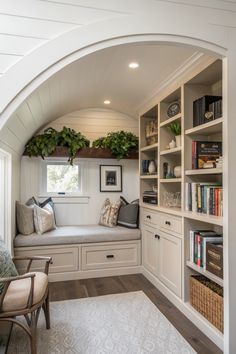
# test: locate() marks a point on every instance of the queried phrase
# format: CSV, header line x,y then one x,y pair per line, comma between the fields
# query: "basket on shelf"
x,y
207,298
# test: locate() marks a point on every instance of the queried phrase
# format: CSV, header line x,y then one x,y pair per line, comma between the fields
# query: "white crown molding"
x,y
177,76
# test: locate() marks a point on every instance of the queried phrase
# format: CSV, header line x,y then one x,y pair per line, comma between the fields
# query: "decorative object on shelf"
x,y
173,109
150,197
152,167
172,199
206,109
165,169
45,144
170,173
151,132
177,171
219,162
207,298
154,188
110,178
172,144
121,143
175,129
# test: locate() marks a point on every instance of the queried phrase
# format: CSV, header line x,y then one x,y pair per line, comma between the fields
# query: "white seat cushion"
x,y
17,294
78,234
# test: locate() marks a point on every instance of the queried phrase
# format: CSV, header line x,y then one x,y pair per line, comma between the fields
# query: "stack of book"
x,y
204,198
219,162
150,197
198,241
205,153
206,109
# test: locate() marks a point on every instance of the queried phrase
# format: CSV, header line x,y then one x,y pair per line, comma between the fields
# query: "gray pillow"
x,y
24,219
128,214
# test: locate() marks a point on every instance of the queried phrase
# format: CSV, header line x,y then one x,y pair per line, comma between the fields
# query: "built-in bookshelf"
x,y
201,83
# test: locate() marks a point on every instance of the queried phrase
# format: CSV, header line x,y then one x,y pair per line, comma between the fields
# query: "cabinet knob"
x,y
148,217
157,236
168,223
110,256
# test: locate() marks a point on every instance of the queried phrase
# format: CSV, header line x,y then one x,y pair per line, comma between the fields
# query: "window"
x,y
60,178
5,184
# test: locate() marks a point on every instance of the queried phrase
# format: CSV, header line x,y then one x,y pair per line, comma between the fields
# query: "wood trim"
x,y
89,152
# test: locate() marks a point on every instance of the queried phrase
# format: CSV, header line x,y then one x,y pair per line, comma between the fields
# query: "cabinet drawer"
x,y
98,257
150,218
171,223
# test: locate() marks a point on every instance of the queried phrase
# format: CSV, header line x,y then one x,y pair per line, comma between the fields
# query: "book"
x,y
205,154
206,109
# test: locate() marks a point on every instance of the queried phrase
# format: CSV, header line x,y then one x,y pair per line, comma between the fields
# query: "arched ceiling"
x,y
104,74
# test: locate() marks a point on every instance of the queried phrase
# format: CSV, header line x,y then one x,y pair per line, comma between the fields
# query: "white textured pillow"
x,y
109,213
43,219
24,219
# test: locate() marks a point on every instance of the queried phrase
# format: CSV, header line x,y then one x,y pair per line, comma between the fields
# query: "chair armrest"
x,y
48,261
7,282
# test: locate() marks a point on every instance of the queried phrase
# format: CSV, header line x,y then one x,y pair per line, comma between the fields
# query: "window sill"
x,y
66,199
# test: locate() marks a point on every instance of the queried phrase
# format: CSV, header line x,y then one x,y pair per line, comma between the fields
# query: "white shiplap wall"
x,y
95,123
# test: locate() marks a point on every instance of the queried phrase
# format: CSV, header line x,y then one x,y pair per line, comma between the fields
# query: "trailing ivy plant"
x,y
45,144
120,143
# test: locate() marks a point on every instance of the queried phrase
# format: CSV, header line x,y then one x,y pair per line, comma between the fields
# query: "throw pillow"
x,y
128,214
50,202
43,219
109,213
24,219
31,201
7,267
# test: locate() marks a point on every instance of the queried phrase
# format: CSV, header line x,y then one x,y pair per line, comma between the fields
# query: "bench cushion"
x,y
78,234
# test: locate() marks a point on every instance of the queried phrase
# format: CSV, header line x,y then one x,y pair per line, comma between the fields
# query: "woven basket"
x,y
207,298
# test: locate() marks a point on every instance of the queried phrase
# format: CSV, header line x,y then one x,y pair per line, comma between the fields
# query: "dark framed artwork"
x,y
110,178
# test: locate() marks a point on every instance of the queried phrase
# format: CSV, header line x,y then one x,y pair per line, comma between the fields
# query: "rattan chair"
x,y
25,295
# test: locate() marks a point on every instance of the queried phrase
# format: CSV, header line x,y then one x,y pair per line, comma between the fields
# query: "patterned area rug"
x,y
113,324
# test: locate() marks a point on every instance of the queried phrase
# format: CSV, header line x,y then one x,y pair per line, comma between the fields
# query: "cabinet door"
x,y
150,248
170,262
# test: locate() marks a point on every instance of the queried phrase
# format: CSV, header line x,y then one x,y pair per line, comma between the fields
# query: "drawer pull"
x,y
148,217
168,223
157,236
110,255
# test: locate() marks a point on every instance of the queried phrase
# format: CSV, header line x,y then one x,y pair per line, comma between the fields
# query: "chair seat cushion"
x,y
17,294
78,234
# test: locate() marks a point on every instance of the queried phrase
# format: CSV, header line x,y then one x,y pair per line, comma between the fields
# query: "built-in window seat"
x,y
84,251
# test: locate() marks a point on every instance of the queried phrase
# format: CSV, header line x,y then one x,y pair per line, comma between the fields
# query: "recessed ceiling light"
x,y
107,102
133,65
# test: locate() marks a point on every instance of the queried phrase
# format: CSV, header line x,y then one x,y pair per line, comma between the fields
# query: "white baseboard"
x,y
100,273
209,330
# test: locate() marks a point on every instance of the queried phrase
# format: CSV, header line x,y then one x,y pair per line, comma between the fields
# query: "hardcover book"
x,y
205,154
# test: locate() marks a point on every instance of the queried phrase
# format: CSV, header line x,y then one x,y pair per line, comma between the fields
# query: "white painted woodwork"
x,y
123,255
170,260
150,249
95,123
87,212
170,223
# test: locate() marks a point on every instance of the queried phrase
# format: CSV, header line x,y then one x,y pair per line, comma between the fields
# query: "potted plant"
x,y
120,143
175,129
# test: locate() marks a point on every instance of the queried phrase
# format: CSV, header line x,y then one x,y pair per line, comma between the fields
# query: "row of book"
x,y
198,242
205,154
206,109
204,198
149,197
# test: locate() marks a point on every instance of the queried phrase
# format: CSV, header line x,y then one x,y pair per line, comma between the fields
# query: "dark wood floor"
x,y
113,285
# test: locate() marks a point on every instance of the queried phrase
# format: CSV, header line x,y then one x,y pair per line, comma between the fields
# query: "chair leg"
x,y
47,311
33,326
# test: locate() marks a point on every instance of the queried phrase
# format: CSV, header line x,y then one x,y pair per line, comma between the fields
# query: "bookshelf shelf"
x,y
209,171
170,120
149,176
212,127
210,219
149,147
171,180
174,151
207,274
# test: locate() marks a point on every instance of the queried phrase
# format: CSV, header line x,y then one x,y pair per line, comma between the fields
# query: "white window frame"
x,y
5,192
63,161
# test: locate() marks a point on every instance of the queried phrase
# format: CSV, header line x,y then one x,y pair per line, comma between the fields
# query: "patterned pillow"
x,y
109,213
7,267
43,219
